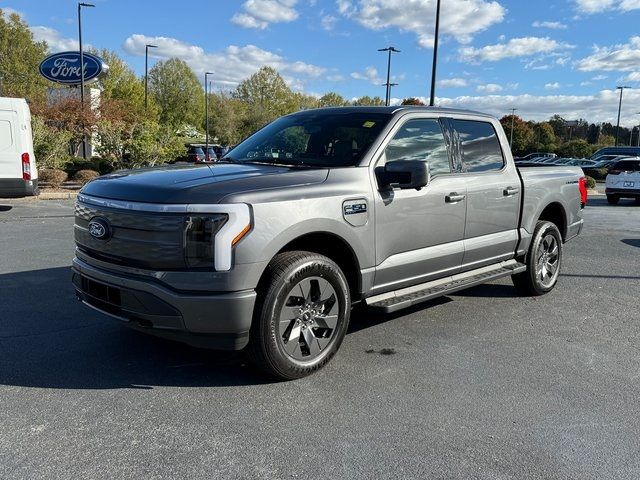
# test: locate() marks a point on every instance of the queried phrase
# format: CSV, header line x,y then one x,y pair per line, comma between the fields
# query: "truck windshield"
x,y
314,139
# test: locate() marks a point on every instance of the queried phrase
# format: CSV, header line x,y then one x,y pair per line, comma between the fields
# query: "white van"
x,y
18,174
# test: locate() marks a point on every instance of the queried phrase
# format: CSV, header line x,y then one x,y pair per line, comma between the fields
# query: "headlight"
x,y
199,238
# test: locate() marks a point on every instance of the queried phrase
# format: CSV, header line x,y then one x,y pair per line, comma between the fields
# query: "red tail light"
x,y
582,185
26,167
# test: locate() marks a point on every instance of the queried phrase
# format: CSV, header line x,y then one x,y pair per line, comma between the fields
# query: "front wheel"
x,y
543,261
302,315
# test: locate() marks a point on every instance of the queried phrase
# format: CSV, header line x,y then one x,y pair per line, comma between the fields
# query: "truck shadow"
x,y
50,340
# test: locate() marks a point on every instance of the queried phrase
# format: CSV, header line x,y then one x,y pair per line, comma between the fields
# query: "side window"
x,y
420,140
481,150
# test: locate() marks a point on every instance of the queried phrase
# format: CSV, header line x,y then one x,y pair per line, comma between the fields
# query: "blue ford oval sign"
x,y
64,67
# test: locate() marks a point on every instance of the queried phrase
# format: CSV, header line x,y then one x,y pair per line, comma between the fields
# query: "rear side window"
x,y
6,135
627,166
420,140
481,150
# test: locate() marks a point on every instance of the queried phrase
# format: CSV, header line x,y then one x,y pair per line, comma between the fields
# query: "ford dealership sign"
x,y
64,67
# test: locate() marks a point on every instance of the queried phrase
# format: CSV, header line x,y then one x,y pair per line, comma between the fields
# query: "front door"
x,y
419,233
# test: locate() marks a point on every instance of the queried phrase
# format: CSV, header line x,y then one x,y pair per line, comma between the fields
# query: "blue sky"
x,y
564,56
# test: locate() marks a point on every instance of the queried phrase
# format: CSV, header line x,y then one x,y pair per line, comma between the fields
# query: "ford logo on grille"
x,y
99,228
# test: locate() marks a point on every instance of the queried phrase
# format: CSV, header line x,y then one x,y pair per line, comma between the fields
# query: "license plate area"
x,y
629,184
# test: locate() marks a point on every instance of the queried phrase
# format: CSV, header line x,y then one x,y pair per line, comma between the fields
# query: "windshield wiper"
x,y
227,160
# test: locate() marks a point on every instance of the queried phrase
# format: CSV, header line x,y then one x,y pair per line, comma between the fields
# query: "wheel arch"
x,y
555,213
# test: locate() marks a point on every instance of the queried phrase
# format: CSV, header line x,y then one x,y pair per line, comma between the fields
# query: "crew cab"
x,y
269,248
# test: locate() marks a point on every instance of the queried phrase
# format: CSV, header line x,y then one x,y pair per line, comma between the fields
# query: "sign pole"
x,y
84,136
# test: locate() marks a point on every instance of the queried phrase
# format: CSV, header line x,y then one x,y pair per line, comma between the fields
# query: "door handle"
x,y
453,197
510,191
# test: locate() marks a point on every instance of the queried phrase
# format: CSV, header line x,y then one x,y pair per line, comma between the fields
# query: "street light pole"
x,y
435,57
206,115
146,73
638,140
619,110
84,138
513,117
387,98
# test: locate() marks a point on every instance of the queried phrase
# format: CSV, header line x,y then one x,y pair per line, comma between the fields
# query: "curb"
x,y
57,195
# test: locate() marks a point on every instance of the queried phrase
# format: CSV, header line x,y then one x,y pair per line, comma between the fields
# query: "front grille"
x,y
138,239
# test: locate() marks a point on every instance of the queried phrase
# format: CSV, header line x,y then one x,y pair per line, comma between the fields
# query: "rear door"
x,y
419,233
10,162
493,194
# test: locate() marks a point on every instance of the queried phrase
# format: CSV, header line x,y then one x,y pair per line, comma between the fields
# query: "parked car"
x,y
626,151
623,181
18,173
582,162
384,206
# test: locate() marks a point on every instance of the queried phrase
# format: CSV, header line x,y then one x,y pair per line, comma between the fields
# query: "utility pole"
x,y
619,110
638,140
146,73
389,84
513,117
206,115
84,137
435,57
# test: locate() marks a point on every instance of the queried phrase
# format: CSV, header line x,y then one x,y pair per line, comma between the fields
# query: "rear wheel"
x,y
543,261
302,315
613,199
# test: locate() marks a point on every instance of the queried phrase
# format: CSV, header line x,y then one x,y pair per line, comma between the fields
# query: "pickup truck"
x,y
270,248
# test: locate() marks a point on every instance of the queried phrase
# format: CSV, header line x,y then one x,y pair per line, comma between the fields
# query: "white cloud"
x,y
335,78
632,77
460,19
328,22
260,13
230,66
516,47
55,41
621,57
489,88
552,86
452,82
600,107
598,6
598,78
551,25
370,74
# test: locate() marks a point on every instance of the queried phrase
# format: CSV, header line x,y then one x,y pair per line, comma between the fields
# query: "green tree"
x,y
332,99
226,117
366,100
177,92
544,137
20,56
123,86
576,149
522,133
412,101
50,144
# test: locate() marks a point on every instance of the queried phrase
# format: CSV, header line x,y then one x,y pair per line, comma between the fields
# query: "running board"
x,y
405,297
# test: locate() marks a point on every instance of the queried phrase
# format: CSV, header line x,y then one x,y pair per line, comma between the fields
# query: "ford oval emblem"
x,y
99,228
64,67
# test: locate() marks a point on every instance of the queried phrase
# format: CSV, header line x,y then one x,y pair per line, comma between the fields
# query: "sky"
x,y
541,57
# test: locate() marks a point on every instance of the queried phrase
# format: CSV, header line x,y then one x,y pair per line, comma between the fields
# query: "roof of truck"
x,y
394,109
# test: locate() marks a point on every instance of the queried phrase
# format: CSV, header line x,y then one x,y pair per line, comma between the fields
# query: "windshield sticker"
x,y
368,124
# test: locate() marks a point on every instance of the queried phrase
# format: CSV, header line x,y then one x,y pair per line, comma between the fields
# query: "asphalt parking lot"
x,y
481,384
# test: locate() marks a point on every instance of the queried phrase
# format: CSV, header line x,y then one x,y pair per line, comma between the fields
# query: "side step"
x,y
405,297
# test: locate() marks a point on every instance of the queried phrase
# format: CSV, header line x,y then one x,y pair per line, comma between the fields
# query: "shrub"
x,y
85,176
52,176
591,183
597,173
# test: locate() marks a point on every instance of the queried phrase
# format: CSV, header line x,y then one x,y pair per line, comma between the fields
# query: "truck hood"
x,y
198,184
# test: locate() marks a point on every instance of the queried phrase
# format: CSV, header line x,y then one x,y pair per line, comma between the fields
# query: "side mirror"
x,y
403,174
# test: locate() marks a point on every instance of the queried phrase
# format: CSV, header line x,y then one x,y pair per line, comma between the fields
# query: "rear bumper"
x,y
210,320
17,187
623,192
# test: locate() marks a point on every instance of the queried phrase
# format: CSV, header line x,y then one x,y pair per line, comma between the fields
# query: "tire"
x,y
293,335
544,261
613,199
637,200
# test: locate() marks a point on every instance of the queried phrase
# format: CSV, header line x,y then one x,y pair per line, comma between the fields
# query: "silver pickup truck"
x,y
270,248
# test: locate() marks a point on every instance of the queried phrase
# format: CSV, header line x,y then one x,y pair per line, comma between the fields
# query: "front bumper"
x,y
207,320
623,192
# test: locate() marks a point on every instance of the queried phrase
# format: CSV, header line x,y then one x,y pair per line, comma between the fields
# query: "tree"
x,y
544,137
366,100
50,144
177,92
266,96
121,85
332,99
412,101
226,115
20,56
576,149
522,133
